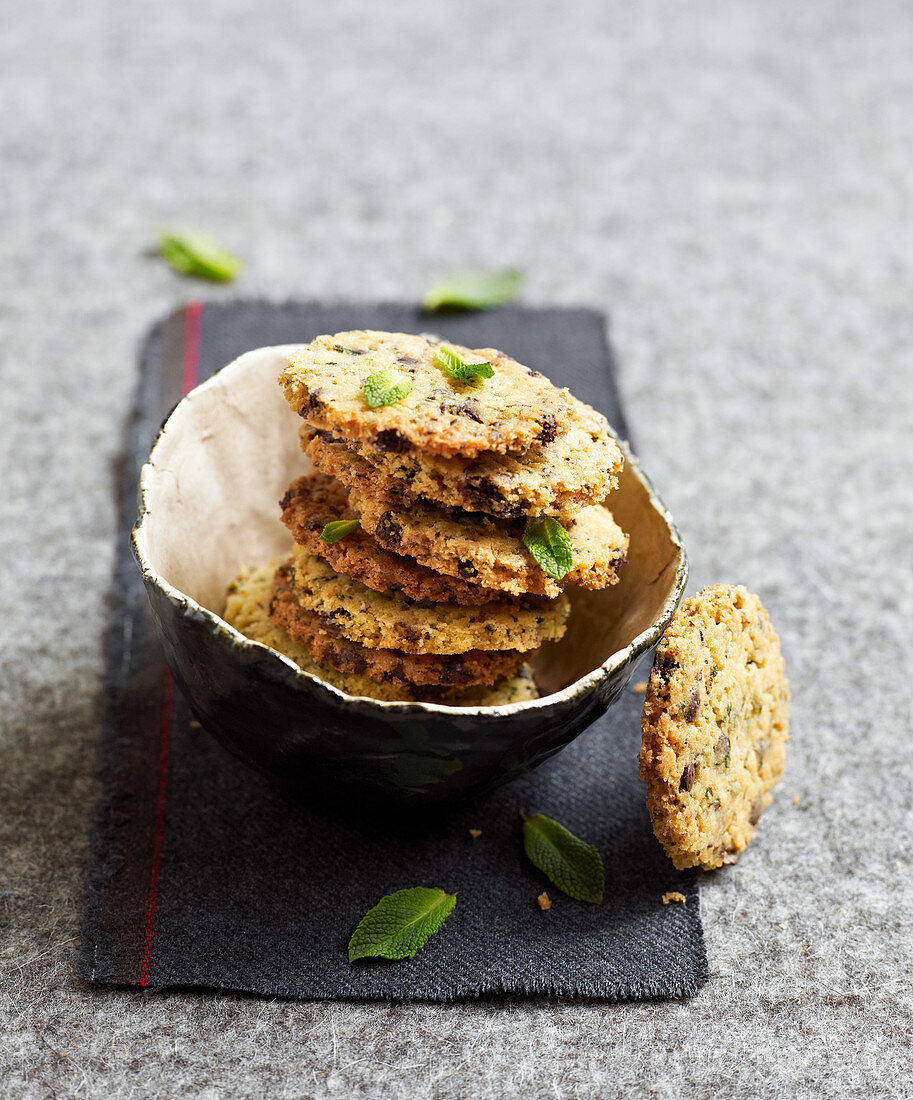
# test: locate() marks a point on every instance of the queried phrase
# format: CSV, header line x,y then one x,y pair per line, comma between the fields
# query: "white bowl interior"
x,y
209,505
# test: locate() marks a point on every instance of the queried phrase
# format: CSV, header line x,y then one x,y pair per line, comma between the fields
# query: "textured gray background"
x,y
733,181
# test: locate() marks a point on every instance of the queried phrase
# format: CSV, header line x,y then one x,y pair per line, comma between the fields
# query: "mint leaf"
x,y
386,387
459,369
474,290
401,924
550,546
338,529
573,866
193,253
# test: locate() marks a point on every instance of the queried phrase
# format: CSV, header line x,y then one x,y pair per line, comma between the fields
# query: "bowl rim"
x,y
582,686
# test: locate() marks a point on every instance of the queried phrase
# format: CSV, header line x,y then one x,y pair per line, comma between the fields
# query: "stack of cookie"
x,y
456,494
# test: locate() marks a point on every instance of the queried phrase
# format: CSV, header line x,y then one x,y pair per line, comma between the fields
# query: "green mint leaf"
x,y
550,546
401,924
193,253
459,369
386,387
338,529
474,290
573,866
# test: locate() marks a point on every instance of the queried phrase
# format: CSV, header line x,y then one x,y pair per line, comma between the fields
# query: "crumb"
x,y
545,901
475,833
640,687
797,800
783,925
673,895
194,725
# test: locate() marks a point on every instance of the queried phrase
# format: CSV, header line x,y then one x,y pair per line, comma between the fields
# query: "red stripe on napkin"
x,y
189,377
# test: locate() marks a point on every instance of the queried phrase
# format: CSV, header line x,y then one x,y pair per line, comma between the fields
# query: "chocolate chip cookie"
x,y
392,620
558,478
715,725
511,411
247,610
490,552
327,645
315,500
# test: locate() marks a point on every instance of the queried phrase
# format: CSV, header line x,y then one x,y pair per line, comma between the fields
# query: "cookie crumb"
x,y
545,902
797,800
640,687
673,895
194,725
475,833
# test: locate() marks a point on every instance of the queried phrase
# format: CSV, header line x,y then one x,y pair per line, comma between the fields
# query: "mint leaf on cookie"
x,y
474,290
338,529
459,369
550,545
572,865
193,253
386,387
401,924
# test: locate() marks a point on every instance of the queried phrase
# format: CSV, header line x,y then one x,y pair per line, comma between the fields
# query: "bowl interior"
x,y
209,507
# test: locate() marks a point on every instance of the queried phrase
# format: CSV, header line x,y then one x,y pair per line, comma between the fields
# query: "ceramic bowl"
x,y
208,506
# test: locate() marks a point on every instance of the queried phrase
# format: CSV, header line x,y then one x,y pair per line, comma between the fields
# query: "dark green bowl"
x,y
207,508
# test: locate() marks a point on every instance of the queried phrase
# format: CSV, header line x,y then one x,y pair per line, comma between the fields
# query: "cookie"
x,y
577,468
715,725
327,645
247,610
489,551
508,412
316,500
391,620
514,689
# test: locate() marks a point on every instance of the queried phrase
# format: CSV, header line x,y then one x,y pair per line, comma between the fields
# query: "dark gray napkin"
x,y
202,874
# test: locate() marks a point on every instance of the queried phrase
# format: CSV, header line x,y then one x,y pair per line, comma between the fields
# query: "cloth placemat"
x,y
201,874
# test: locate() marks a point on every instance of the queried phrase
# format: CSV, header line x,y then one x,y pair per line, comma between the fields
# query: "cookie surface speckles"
x,y
511,411
575,469
247,609
391,620
490,552
316,500
715,726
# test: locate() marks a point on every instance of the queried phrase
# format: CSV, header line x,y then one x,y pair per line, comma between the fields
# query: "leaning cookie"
x,y
491,552
315,500
556,478
715,725
247,610
394,666
392,620
324,383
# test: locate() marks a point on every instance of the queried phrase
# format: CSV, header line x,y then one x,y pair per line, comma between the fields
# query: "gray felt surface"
x,y
732,181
